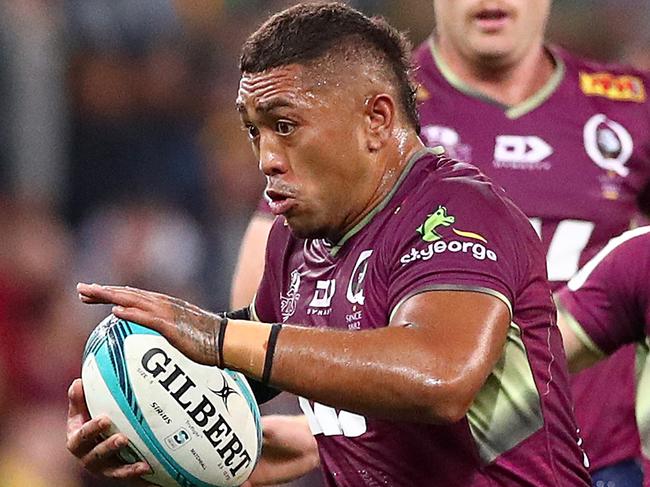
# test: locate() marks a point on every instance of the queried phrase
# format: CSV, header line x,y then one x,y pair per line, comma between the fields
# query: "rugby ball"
x,y
196,426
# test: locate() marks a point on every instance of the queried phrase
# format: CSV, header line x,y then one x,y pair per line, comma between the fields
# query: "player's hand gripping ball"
x,y
196,426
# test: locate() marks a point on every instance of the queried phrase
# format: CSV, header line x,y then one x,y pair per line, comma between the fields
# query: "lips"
x,y
491,19
280,202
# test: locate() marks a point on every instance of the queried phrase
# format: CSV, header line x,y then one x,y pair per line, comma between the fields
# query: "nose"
x,y
272,156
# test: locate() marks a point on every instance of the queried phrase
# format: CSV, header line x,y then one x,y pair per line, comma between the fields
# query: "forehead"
x,y
258,90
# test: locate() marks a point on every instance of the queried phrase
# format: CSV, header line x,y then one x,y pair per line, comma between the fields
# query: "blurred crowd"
x,y
122,161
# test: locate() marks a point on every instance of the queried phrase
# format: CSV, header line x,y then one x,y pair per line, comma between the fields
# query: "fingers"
x,y
83,439
136,315
104,453
129,471
123,296
77,409
104,459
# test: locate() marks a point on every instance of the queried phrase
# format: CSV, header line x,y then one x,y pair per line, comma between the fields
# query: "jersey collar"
x,y
334,249
514,111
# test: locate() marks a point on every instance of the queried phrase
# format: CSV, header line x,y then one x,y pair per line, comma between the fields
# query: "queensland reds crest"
x,y
608,144
355,286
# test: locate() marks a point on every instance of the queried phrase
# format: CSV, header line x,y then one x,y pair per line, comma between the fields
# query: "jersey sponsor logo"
x,y
448,138
608,144
434,220
320,304
430,231
619,88
323,294
521,152
289,301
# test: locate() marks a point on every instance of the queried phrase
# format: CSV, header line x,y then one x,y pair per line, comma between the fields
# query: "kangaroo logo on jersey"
x,y
433,221
439,243
608,144
288,302
521,152
619,88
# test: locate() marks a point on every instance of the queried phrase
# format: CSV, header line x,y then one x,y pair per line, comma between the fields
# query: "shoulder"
x,y
443,178
608,81
443,192
625,260
280,239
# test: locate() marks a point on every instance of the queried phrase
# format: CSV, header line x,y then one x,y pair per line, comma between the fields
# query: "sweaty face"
x,y
483,29
307,132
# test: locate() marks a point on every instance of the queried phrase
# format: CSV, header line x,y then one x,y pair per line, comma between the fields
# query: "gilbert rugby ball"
x,y
196,426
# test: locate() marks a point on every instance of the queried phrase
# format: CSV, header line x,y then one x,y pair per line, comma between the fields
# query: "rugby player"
x,y
422,330
606,306
569,139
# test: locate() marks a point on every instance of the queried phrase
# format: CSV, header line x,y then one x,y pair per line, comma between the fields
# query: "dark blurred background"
x,y
122,161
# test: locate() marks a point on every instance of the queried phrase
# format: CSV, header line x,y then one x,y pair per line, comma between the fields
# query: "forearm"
x,y
395,372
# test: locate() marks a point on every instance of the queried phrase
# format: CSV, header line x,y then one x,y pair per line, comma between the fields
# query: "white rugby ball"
x,y
196,426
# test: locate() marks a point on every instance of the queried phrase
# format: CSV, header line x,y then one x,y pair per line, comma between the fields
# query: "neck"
x,y
507,82
388,165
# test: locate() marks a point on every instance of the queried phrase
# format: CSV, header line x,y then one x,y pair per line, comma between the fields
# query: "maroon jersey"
x,y
610,297
443,227
609,303
573,157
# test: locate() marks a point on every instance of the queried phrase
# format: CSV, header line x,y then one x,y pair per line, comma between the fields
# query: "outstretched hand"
x,y
190,329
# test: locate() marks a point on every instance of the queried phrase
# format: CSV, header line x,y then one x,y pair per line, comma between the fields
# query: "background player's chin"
x,y
492,49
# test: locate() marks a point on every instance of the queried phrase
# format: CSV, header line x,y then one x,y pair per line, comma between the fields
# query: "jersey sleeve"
x,y
468,240
609,298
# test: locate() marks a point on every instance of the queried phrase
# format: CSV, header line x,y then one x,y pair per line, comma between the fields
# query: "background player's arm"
x,y
580,351
607,303
426,366
250,262
289,451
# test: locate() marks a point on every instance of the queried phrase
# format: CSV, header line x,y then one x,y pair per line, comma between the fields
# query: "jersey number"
x,y
566,245
325,420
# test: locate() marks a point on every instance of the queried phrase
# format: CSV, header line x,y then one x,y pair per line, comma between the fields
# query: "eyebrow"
x,y
267,106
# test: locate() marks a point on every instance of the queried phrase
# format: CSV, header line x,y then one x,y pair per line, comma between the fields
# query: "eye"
x,y
252,131
284,128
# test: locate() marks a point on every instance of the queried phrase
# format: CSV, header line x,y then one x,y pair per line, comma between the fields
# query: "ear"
x,y
380,114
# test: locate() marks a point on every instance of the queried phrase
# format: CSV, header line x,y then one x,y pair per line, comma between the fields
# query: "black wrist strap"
x,y
220,337
270,351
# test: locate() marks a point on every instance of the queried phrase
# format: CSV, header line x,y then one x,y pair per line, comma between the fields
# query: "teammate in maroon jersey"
x,y
606,306
568,139
576,172
426,345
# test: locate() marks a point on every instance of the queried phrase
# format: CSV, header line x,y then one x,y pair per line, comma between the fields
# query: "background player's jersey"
x,y
444,227
574,158
609,300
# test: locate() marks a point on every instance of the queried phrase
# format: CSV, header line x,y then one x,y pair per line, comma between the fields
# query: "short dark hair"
x,y
306,32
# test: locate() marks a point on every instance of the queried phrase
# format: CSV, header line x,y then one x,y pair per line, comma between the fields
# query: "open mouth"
x,y
280,202
492,19
492,14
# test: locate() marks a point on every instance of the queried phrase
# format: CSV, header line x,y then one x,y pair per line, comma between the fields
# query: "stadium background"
x,y
121,161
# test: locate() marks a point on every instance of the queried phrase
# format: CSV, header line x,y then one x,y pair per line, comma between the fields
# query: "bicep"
x,y
470,328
